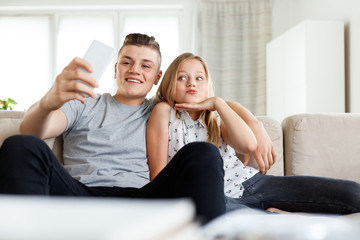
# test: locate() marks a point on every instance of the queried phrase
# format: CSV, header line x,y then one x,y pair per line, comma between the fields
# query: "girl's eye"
x,y
199,78
182,78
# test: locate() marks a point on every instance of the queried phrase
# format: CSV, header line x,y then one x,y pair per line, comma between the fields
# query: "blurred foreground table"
x,y
24,217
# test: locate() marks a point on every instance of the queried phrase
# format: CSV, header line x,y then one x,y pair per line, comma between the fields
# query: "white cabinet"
x,y
305,70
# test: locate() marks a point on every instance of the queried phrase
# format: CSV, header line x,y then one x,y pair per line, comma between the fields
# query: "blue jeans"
x,y
298,194
28,166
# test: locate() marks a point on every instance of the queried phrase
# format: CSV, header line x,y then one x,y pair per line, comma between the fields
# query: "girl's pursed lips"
x,y
191,91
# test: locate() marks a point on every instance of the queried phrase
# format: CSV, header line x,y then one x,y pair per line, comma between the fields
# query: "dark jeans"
x,y
299,194
28,166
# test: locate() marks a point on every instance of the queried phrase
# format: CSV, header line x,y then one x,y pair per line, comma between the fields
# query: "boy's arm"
x,y
157,138
42,123
44,119
265,153
233,128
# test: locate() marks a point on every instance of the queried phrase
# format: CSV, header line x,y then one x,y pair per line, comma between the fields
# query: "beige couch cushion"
x,y
274,130
9,125
322,145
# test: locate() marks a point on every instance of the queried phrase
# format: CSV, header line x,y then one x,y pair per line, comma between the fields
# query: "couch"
x,y
306,144
324,145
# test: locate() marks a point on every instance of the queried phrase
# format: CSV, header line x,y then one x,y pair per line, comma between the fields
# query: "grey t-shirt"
x,y
104,142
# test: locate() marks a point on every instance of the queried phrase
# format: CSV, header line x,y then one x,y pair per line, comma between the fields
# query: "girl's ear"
x,y
158,77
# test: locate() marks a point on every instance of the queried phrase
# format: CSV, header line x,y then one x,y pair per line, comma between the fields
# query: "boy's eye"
x,y
146,66
125,63
182,78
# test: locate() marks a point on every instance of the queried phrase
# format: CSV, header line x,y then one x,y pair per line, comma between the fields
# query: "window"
x,y
163,26
75,34
24,59
37,43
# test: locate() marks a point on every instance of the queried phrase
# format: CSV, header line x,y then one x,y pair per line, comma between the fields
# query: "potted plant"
x,y
5,104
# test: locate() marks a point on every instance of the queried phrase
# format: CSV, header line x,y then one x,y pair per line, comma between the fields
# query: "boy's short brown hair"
x,y
139,39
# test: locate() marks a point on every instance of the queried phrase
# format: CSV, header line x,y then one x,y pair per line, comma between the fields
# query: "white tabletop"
x,y
24,217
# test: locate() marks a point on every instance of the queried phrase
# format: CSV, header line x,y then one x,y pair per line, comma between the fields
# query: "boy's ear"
x,y
158,77
115,69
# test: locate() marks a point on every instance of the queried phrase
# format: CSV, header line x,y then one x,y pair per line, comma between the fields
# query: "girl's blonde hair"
x,y
167,89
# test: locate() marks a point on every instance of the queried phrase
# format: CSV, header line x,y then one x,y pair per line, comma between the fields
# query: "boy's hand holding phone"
x,y
99,55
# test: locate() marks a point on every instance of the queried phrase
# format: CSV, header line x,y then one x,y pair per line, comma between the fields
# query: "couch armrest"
x,y
322,145
273,128
9,125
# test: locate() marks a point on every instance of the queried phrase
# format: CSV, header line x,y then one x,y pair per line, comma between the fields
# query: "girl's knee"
x,y
352,196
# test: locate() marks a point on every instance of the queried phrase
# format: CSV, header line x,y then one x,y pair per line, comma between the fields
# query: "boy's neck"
x,y
129,101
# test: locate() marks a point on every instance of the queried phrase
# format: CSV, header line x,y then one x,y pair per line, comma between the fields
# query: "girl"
x,y
188,112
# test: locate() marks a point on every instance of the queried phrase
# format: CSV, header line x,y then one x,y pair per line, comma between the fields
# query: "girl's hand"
x,y
208,104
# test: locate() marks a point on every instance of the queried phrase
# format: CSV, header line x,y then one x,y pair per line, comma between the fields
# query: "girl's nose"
x,y
190,83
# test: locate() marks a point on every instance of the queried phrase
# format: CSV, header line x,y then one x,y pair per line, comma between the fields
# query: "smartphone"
x,y
99,55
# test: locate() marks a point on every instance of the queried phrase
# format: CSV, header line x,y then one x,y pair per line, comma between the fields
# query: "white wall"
x,y
287,13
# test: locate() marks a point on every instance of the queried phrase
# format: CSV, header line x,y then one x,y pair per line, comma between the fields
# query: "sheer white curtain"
x,y
234,34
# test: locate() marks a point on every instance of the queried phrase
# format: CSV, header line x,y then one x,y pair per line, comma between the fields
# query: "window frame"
x,y
184,9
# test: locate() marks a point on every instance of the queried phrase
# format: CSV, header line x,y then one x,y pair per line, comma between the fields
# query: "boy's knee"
x,y
204,147
204,152
20,140
16,149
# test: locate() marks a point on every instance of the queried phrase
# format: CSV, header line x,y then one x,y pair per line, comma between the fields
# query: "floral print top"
x,y
183,129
